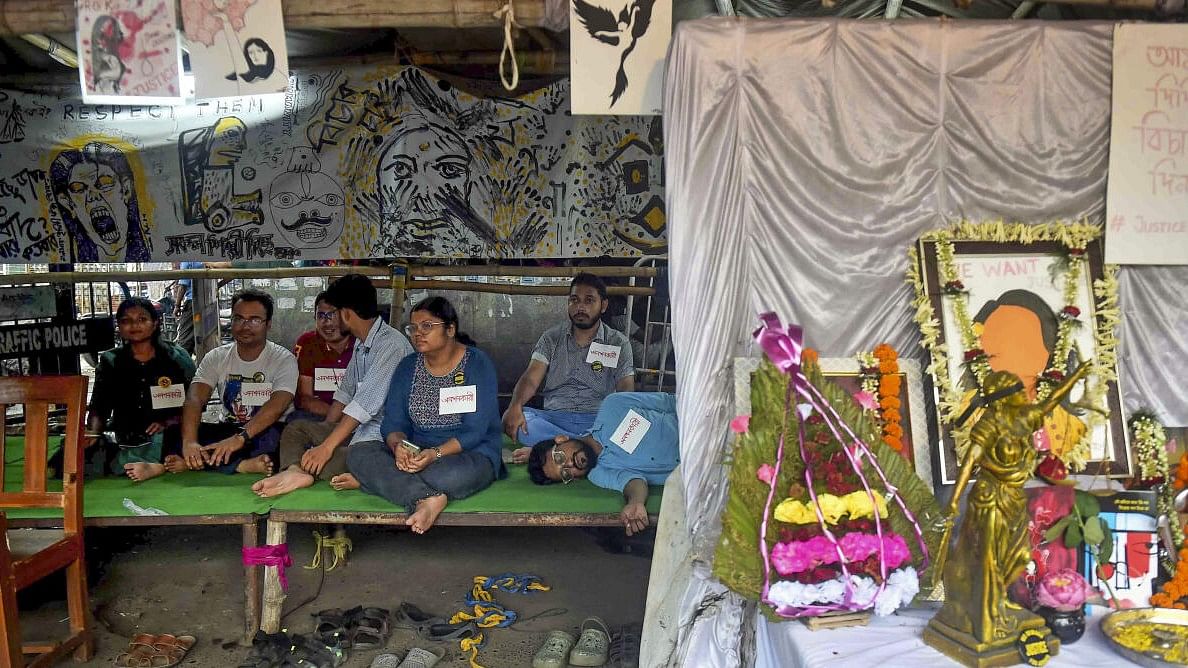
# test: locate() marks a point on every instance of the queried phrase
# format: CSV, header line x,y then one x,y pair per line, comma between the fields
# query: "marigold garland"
x,y
1172,593
1075,237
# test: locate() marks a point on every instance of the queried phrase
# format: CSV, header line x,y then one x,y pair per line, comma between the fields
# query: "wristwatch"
x,y
247,438
438,451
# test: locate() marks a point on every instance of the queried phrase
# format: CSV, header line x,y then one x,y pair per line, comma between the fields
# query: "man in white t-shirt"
x,y
255,380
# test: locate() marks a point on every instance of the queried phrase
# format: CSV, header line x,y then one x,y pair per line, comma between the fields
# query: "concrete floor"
x,y
188,580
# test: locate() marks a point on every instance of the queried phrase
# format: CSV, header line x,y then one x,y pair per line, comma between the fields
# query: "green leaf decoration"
x,y
737,562
1072,535
1094,534
1057,530
1107,548
1086,504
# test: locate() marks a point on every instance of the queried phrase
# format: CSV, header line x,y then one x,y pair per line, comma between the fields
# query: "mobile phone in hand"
x,y
413,448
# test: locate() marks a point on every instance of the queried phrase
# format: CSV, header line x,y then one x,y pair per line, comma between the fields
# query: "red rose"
x,y
1052,469
1054,375
1076,252
971,355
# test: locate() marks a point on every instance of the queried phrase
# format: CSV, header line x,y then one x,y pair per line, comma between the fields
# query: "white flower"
x,y
902,587
864,590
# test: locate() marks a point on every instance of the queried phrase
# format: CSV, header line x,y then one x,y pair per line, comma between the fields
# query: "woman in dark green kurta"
x,y
123,410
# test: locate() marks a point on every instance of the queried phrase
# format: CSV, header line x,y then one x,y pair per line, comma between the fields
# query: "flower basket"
x,y
823,517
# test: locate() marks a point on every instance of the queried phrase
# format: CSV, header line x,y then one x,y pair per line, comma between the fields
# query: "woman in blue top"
x,y
442,431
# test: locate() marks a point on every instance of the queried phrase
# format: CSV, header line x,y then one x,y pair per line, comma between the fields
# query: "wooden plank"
x,y
31,500
50,16
36,447
251,590
837,620
138,521
274,596
454,519
10,627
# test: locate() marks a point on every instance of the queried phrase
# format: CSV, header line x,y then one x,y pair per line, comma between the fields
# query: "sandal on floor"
x,y
268,650
409,616
140,652
385,661
309,652
369,628
554,653
592,645
421,658
331,627
446,632
174,648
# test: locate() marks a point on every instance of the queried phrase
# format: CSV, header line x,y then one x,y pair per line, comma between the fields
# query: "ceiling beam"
x,y
56,16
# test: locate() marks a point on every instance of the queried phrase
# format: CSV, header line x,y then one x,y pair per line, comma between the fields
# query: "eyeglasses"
x,y
326,315
424,327
559,460
254,321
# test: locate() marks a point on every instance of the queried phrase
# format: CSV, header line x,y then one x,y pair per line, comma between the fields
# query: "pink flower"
x,y
740,424
766,473
1064,589
789,559
866,400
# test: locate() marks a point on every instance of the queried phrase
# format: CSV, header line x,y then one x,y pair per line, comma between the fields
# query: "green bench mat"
x,y
203,493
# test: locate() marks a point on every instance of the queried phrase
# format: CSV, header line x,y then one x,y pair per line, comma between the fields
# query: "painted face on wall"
x,y
424,175
308,208
257,55
98,198
228,144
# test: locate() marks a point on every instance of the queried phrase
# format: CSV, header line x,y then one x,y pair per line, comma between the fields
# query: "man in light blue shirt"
x,y
310,450
634,443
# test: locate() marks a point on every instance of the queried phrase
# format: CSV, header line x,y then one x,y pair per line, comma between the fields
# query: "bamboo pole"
x,y
58,16
505,289
172,274
274,596
417,271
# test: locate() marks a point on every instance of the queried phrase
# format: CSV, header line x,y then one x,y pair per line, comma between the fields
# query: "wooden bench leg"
x,y
274,596
79,607
10,625
251,575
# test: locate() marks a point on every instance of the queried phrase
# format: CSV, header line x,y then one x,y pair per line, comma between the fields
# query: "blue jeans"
x,y
545,425
457,476
265,443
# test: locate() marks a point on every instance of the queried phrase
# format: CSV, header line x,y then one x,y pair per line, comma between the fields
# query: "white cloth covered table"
x,y
894,642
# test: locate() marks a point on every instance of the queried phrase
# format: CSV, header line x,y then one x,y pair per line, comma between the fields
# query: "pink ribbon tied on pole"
x,y
270,555
784,346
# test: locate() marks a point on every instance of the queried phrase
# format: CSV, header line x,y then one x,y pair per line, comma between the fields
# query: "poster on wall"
x,y
237,47
128,51
1147,191
617,50
365,162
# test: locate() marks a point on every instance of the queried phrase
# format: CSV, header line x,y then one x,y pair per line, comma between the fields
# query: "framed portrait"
x,y
845,372
1038,307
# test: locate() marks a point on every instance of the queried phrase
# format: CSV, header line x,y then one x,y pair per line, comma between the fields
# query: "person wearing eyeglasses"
x,y
441,428
634,443
255,380
311,451
323,354
575,365
138,394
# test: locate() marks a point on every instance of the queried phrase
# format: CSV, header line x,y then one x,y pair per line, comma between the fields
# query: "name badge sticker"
x,y
328,380
631,431
600,353
167,397
255,394
454,400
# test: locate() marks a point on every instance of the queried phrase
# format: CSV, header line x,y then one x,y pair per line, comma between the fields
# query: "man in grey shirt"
x,y
579,363
314,450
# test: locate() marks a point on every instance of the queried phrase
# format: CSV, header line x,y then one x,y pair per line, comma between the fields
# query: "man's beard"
x,y
588,325
591,455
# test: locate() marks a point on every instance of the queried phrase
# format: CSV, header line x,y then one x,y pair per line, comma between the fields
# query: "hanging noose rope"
x,y
508,13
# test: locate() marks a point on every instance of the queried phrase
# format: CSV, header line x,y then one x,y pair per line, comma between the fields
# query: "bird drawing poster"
x,y
128,52
617,50
237,47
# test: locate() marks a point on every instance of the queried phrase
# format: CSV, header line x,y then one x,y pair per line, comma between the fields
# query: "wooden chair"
x,y
31,554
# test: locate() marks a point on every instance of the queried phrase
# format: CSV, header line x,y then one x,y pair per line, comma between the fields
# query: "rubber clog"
x,y
592,645
421,658
554,653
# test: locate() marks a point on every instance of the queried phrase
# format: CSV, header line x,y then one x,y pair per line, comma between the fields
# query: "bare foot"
x,y
175,464
141,471
344,481
282,483
427,511
257,464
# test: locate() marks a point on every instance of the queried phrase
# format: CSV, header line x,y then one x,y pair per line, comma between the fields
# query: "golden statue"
x,y
978,625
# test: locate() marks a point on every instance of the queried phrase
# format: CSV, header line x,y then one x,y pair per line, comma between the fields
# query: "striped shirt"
x,y
364,387
573,384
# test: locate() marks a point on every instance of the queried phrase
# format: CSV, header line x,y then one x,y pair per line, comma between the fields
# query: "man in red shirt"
x,y
322,357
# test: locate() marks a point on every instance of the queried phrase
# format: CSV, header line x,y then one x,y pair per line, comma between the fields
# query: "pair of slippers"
x,y
358,628
560,649
280,650
416,658
431,627
155,651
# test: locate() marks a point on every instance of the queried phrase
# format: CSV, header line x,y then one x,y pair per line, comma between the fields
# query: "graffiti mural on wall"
x,y
365,162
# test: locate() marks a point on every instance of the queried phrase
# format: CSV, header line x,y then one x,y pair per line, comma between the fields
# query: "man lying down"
x,y
633,444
